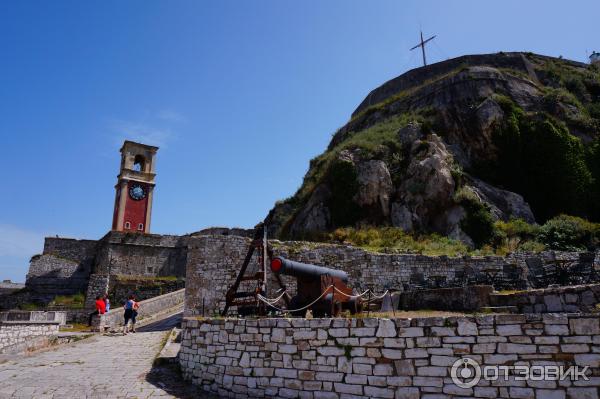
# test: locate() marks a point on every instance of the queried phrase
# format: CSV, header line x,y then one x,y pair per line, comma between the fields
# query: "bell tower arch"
x,y
135,188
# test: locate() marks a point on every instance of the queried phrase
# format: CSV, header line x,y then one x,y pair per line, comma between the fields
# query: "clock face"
x,y
137,192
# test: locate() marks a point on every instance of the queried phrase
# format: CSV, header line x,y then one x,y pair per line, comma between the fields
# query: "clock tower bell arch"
x,y
134,188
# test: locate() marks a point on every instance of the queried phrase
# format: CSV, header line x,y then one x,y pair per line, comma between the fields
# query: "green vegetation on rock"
x,y
540,159
391,239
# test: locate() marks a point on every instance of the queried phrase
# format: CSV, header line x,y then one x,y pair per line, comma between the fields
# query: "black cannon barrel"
x,y
306,270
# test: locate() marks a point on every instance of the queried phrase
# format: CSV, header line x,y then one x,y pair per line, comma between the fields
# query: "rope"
x,y
375,298
296,310
271,302
274,300
350,296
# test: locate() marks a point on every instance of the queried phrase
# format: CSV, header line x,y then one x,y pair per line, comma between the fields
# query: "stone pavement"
x,y
102,366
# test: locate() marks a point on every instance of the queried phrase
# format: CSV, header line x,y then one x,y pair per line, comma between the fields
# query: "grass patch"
x,y
392,239
76,327
509,292
30,306
75,301
123,277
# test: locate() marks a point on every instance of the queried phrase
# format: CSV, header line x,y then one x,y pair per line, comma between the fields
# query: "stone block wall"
x,y
21,336
69,266
8,287
70,248
50,275
97,285
579,298
387,358
120,287
142,254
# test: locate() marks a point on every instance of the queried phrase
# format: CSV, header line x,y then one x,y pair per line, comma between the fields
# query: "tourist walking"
x,y
107,303
100,309
136,306
129,315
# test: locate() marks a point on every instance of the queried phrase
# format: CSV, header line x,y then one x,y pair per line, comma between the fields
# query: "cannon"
x,y
316,282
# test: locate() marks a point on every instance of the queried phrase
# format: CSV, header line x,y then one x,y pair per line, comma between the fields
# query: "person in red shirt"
x,y
100,309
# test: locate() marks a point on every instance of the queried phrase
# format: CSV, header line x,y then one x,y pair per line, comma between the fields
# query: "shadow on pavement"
x,y
168,378
164,324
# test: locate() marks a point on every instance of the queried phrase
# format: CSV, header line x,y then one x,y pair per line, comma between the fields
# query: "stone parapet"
x,y
387,358
574,299
34,316
24,335
114,319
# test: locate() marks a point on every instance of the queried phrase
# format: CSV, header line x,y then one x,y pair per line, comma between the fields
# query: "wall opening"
x,y
139,163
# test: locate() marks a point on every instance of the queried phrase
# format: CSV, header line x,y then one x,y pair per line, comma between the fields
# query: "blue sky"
x,y
239,95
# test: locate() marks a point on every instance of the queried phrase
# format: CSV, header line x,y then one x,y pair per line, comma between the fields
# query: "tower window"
x,y
141,227
127,225
139,162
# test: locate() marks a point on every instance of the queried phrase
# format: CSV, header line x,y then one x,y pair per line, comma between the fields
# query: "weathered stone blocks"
x,y
391,358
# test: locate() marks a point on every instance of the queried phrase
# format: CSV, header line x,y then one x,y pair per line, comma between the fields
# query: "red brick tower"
x,y
135,185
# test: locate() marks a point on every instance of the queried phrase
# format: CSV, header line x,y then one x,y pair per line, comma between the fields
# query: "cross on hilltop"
x,y
422,45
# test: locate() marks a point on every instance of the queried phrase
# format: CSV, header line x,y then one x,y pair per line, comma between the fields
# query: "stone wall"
x,y
458,299
70,248
97,285
69,266
580,298
383,358
214,261
51,275
148,309
8,287
120,287
21,336
418,76
142,254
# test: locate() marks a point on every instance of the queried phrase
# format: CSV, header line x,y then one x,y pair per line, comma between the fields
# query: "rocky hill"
x,y
453,146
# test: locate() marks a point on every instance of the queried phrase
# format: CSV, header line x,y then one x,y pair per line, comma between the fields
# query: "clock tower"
x,y
135,185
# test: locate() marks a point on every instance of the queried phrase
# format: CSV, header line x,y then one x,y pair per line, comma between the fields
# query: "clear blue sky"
x,y
239,95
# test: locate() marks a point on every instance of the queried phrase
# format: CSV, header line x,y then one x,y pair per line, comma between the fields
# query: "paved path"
x,y
98,367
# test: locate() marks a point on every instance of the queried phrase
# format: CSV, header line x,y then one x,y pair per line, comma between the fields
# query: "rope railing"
x,y
271,301
260,297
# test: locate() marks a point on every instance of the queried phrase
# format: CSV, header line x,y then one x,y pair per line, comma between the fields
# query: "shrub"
x,y
541,160
594,110
478,222
518,228
569,233
574,83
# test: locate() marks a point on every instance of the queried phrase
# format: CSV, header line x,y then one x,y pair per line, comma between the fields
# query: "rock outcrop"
x,y
418,141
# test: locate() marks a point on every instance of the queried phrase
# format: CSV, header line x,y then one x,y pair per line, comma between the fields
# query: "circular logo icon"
x,y
465,373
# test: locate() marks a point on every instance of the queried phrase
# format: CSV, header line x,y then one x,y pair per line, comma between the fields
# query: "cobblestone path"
x,y
97,367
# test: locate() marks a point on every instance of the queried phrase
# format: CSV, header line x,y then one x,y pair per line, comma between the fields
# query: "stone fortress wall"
x,y
69,266
387,358
214,261
210,263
